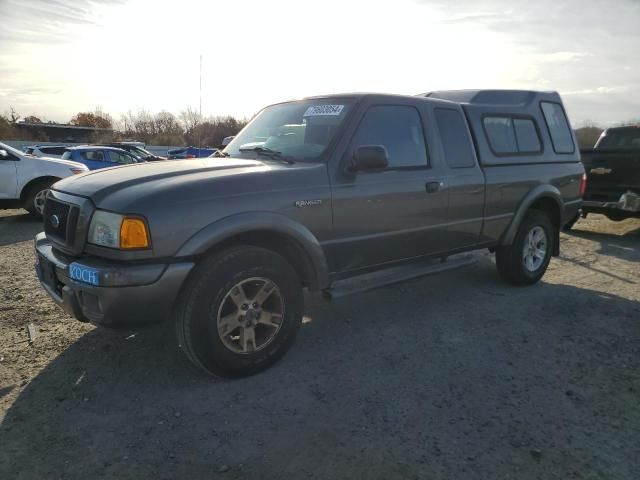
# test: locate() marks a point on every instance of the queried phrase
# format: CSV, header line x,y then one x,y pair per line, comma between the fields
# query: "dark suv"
x,y
335,194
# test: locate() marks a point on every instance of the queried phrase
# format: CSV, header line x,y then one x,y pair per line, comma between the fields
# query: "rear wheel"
x,y
526,260
36,196
240,312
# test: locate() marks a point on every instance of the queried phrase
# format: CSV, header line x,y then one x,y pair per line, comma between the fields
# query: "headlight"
x,y
118,231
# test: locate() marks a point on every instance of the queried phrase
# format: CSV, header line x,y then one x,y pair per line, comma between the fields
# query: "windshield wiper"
x,y
267,152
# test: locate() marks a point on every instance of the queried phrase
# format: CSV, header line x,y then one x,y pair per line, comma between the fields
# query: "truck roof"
x,y
495,97
511,98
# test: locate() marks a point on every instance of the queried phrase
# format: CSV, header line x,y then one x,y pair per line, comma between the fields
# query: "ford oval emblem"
x,y
55,221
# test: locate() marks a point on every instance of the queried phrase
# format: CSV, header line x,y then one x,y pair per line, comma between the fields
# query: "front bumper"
x,y
129,294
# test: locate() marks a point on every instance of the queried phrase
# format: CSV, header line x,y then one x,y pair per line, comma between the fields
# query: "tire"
x,y
511,262
34,197
218,290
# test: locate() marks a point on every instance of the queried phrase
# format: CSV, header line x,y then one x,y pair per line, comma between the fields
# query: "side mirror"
x,y
4,154
369,158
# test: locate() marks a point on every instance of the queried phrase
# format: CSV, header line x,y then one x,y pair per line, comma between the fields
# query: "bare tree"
x,y
190,120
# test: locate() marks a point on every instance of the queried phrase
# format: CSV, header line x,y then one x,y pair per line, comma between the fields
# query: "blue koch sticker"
x,y
81,273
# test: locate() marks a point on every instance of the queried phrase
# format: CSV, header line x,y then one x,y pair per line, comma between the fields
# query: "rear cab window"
x,y
619,138
458,151
512,135
558,127
399,129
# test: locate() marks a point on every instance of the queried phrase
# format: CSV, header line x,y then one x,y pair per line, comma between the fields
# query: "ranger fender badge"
x,y
600,171
308,203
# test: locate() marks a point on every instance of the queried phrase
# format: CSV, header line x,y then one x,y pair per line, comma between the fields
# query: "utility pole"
x,y
200,114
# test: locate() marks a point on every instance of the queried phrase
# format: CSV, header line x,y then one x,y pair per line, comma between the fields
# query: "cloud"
x,y
42,21
487,17
52,50
554,57
597,91
581,49
23,93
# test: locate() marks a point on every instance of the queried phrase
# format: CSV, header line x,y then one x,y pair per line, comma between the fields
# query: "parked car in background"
x,y
341,186
190,152
135,149
25,180
95,157
51,151
613,175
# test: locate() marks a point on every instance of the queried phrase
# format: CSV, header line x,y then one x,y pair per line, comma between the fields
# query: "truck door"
x,y
8,175
464,177
393,214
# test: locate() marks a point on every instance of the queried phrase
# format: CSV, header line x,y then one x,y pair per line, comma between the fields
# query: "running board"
x,y
389,276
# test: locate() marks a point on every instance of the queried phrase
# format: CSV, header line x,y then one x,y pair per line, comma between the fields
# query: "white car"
x,y
25,180
51,151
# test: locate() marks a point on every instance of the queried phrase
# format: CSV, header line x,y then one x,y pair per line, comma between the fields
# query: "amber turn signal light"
x,y
133,234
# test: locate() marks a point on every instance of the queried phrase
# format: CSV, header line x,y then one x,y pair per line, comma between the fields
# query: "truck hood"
x,y
145,179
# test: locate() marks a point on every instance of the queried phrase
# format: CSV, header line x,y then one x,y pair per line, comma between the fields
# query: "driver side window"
x,y
399,129
121,158
95,155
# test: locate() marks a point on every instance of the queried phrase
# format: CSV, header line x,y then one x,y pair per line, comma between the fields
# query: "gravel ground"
x,y
454,376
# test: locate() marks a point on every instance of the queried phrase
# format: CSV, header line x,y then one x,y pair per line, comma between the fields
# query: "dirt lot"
x,y
447,377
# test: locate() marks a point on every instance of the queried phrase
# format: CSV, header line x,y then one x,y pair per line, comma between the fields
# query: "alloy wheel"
x,y
250,315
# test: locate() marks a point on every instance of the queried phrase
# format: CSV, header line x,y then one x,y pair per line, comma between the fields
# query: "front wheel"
x,y
35,198
526,260
239,312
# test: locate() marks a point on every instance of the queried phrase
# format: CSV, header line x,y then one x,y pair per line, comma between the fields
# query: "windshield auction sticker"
x,y
321,110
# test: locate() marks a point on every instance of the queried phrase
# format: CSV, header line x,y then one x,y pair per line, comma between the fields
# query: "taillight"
x,y
190,156
583,185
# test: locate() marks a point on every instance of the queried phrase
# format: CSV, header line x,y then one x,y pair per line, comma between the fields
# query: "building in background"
x,y
54,132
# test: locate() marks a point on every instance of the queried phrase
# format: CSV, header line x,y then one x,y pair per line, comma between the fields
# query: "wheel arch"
x,y
268,230
27,186
545,198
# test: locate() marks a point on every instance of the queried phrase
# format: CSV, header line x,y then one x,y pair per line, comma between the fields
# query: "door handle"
x,y
433,187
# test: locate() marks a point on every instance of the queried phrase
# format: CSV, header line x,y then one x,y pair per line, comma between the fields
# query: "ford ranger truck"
x,y
326,194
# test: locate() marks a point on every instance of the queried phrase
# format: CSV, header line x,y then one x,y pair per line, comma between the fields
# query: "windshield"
x,y
299,130
137,152
620,138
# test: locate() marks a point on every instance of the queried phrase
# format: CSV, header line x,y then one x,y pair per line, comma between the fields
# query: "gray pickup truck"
x,y
333,193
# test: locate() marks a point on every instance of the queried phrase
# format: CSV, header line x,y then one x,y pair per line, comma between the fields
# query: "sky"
x,y
58,57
